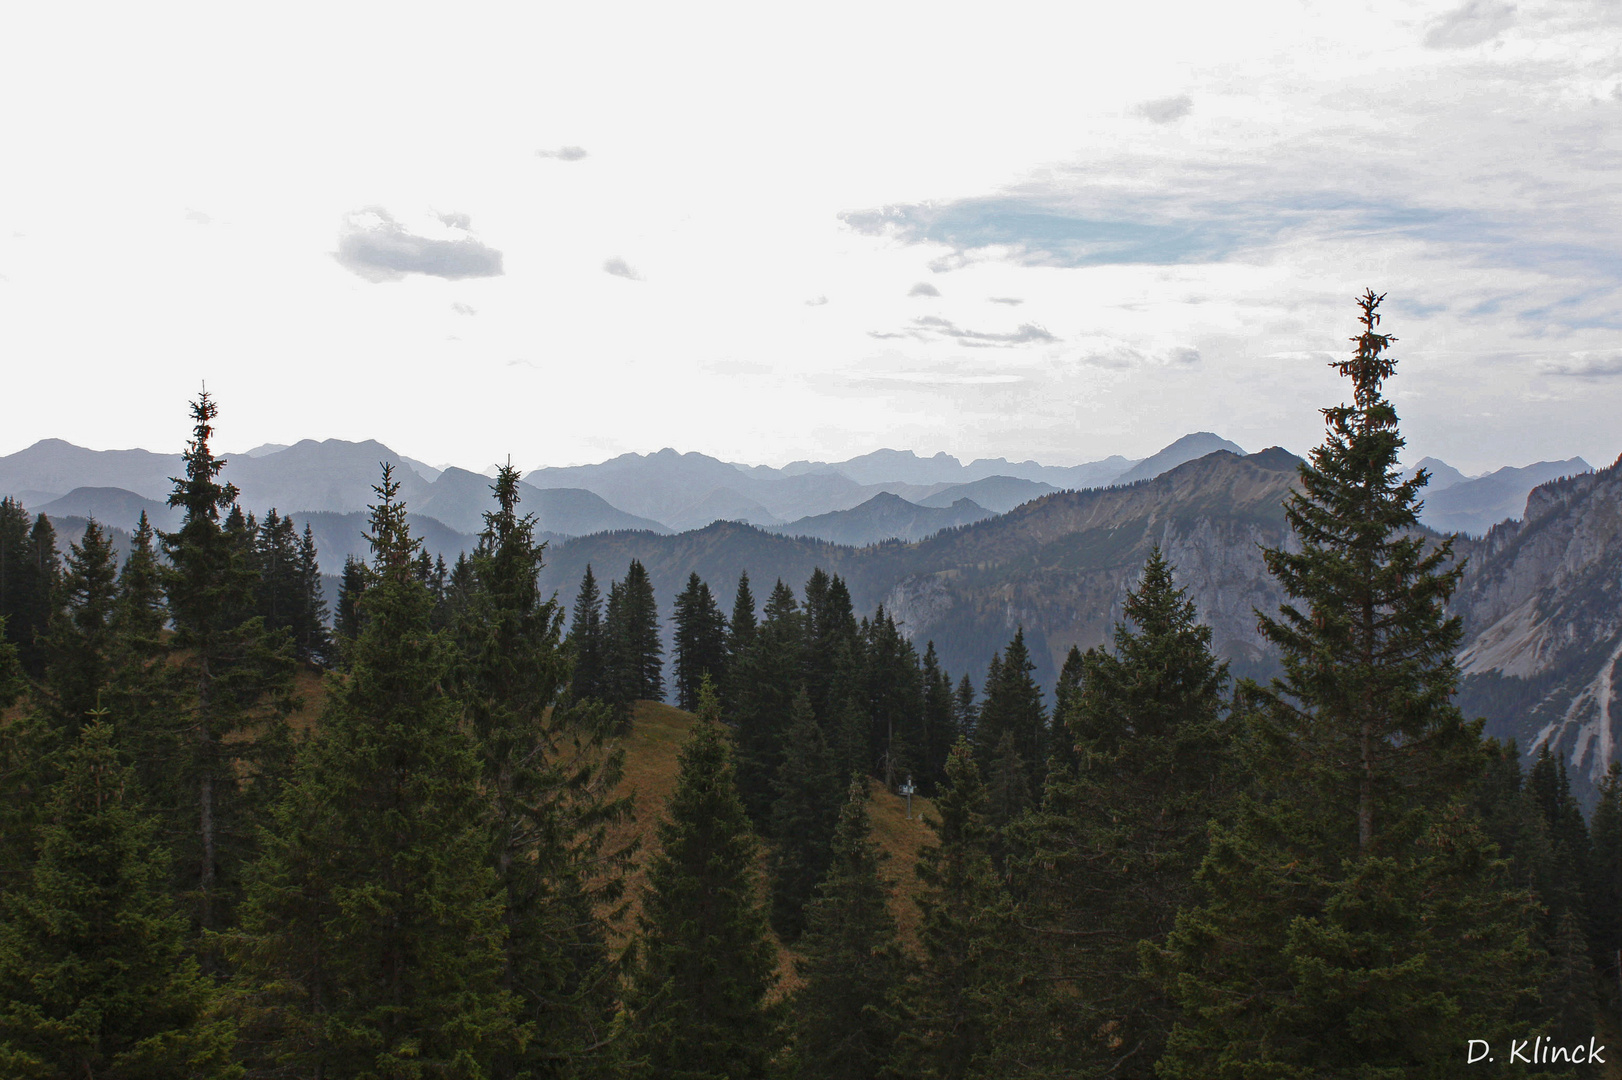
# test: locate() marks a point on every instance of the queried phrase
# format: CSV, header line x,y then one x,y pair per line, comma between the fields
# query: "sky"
x,y
558,233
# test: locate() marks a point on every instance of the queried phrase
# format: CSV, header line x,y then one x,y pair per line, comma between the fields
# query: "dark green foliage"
x,y
232,666
1066,693
11,671
698,1000
804,815
771,676
95,978
29,569
346,618
547,778
965,712
1008,793
1110,857
1354,917
1548,788
957,1007
832,645
633,669
147,691
1605,884
142,610
700,641
25,771
586,640
850,959
892,698
740,637
938,728
288,593
79,641
372,931
1013,704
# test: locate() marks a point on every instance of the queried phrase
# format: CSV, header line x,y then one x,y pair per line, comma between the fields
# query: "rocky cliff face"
x,y
1542,607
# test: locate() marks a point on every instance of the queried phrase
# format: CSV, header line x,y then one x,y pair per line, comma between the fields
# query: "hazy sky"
x,y
769,232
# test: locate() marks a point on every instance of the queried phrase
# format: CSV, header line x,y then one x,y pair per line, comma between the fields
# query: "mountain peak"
x,y
1193,445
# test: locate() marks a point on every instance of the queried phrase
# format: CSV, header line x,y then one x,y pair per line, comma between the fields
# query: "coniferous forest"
x,y
1154,870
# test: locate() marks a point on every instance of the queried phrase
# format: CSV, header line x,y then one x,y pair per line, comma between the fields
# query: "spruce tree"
x,y
893,698
346,619
965,710
939,730
548,779
586,640
957,1008
700,641
239,676
804,816
310,637
95,976
634,668
277,594
372,930
25,744
29,571
1353,918
1066,693
78,644
832,645
699,997
850,959
740,636
1110,857
1605,886
1013,704
771,676
147,692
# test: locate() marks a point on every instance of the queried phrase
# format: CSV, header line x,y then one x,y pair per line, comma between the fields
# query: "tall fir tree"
x,y
586,640
372,932
771,676
850,960
965,710
148,691
804,816
1110,857
235,669
700,641
938,731
548,777
29,572
25,746
634,668
893,696
311,640
957,1008
1353,918
79,642
1066,693
832,646
346,616
95,975
699,999
1605,887
740,636
1013,704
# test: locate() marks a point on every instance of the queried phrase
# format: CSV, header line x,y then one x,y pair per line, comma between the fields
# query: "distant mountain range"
x,y
964,562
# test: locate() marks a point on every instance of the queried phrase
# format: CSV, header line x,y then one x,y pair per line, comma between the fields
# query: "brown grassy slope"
x,y
651,749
